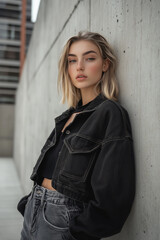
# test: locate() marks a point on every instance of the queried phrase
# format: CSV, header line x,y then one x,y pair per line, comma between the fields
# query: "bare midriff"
x,y
47,183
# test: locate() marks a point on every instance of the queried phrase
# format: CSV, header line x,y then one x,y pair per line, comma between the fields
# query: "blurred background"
x,y
32,34
17,20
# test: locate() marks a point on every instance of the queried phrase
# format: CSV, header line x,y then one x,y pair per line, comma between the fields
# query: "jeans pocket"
x,y
56,216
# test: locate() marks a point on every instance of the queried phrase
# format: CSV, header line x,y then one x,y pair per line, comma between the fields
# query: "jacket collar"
x,y
94,103
89,106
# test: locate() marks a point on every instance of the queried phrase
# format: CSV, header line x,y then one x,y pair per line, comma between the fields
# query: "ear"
x,y
106,64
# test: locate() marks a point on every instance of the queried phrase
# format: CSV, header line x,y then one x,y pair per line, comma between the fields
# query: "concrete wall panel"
x,y
132,27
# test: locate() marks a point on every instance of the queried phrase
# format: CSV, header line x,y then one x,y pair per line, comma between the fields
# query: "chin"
x,y
83,85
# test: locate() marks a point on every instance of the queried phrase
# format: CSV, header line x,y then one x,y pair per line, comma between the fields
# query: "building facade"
x,y
10,45
10,48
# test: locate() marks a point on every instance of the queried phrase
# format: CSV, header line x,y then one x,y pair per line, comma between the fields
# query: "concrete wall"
x,y
132,28
6,129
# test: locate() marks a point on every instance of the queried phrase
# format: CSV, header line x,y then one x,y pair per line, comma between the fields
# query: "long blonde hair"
x,y
108,85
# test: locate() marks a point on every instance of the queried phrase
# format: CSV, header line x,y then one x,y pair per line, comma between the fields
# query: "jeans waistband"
x,y
55,197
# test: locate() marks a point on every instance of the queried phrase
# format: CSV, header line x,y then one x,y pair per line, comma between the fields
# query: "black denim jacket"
x,y
96,166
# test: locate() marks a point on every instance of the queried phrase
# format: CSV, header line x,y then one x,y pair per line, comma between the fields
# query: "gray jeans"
x,y
47,215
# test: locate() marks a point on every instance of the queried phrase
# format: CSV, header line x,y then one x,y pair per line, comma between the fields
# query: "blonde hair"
x,y
108,85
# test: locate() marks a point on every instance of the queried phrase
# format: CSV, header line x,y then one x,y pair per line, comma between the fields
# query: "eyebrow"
x,y
85,53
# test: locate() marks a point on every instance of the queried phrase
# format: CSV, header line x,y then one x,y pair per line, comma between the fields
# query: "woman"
x,y
84,179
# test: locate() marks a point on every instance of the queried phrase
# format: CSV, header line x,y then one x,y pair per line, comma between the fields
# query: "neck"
x,y
87,96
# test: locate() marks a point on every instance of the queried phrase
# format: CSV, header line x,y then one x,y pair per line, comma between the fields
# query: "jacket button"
x,y
67,132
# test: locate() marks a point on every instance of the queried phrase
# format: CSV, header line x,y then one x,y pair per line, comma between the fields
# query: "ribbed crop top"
x,y
47,166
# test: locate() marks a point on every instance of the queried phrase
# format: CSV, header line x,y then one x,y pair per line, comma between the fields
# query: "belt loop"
x,y
33,189
43,195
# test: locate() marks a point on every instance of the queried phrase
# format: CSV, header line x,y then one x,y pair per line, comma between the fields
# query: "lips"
x,y
81,76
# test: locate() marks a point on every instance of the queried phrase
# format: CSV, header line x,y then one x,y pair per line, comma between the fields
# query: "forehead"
x,y
81,46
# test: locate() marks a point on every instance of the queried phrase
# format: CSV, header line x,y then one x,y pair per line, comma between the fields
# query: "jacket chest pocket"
x,y
78,157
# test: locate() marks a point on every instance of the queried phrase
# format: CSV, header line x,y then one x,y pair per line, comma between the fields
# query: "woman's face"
x,y
85,64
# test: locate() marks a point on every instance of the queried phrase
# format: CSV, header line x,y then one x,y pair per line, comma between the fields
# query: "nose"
x,y
80,65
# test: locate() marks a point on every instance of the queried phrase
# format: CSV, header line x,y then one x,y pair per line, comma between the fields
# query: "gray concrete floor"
x,y
10,193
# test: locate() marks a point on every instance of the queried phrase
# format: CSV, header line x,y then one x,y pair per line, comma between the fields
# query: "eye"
x,y
71,60
90,59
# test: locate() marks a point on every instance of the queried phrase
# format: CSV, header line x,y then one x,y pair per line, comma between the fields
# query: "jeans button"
x,y
67,132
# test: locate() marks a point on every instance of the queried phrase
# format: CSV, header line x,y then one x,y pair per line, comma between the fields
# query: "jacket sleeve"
x,y
113,186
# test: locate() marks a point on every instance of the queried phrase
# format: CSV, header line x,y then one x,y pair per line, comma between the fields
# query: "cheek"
x,y
96,68
70,71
